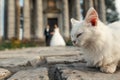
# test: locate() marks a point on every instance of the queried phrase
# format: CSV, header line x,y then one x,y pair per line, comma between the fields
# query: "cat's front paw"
x,y
108,69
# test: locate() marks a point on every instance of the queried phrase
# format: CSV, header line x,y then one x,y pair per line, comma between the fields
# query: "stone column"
x,y
87,5
39,16
90,3
1,19
26,27
66,19
17,4
77,7
11,19
102,10
95,4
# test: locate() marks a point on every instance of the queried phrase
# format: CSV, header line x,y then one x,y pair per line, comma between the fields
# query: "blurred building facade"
x,y
1,18
99,5
30,20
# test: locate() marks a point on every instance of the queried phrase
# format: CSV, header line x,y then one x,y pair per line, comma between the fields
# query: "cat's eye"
x,y
79,35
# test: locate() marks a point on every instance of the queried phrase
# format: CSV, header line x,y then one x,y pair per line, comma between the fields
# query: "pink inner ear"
x,y
92,17
93,13
94,21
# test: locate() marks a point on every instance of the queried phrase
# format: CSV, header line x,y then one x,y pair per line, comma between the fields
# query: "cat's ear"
x,y
73,21
92,17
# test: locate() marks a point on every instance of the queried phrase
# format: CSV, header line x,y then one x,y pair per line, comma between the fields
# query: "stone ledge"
x,y
27,63
63,59
78,71
19,62
31,74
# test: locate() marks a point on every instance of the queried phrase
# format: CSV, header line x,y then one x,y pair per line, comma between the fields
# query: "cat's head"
x,y
84,30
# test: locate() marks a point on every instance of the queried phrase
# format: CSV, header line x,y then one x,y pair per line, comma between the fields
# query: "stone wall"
x,y
66,9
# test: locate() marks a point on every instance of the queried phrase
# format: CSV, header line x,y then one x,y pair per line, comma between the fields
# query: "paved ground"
x,y
48,63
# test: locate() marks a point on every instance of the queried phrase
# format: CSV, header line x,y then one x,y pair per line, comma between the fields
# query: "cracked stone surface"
x,y
33,74
63,59
33,56
20,60
48,63
78,71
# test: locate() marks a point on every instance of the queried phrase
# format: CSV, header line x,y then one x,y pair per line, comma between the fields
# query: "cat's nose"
x,y
74,42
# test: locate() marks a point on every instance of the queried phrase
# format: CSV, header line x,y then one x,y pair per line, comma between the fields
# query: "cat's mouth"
x,y
75,43
78,45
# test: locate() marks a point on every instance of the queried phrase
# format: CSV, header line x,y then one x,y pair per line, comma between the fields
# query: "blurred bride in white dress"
x,y
57,39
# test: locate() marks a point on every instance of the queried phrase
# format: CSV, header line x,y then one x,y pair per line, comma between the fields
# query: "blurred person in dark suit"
x,y
48,35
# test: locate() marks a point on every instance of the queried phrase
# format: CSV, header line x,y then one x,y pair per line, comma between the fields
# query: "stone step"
x,y
63,59
19,62
31,74
32,53
79,71
35,56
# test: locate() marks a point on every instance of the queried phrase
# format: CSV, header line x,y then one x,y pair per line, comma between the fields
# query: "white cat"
x,y
100,43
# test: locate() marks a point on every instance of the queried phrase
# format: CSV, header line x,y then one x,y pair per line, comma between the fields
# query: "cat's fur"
x,y
100,43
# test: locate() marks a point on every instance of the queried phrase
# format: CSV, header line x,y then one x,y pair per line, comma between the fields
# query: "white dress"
x,y
57,39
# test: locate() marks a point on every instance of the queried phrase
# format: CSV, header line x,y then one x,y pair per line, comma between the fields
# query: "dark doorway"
x,y
52,22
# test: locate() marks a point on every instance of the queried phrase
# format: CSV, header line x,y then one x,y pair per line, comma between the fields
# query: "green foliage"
x,y
69,43
15,43
111,13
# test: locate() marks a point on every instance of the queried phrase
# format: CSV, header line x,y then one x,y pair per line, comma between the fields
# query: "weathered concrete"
x,y
4,73
63,59
78,71
34,74
33,56
40,51
42,63
29,58
18,62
